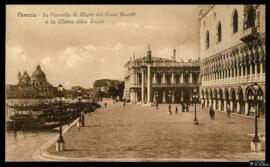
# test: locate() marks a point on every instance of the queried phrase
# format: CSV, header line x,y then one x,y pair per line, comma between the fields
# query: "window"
x,y
219,32
235,21
250,17
207,42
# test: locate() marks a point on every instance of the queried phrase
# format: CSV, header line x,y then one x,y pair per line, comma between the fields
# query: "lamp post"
x,y
81,112
170,95
253,97
60,142
195,97
156,94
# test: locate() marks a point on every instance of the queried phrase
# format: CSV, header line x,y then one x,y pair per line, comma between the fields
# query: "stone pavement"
x,y
137,133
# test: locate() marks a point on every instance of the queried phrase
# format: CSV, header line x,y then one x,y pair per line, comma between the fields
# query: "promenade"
x,y
137,133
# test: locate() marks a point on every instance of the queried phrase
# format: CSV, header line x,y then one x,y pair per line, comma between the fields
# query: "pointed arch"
x,y
219,32
235,21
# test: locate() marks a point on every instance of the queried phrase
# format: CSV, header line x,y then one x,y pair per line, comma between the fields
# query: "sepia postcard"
x,y
135,83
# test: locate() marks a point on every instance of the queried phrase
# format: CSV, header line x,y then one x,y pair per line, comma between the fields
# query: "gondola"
x,y
46,116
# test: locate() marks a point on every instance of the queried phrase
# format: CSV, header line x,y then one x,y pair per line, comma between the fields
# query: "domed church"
x,y
34,87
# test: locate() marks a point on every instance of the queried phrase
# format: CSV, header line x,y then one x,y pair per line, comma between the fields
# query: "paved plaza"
x,y
144,132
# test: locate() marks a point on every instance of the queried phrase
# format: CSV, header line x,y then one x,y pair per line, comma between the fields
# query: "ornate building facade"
x,y
232,52
36,86
152,79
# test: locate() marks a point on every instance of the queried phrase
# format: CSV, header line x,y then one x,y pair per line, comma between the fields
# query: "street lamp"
x,y
170,94
195,97
60,142
156,97
81,114
254,97
156,94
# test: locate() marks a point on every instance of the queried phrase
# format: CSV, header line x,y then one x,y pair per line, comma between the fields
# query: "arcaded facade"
x,y
232,52
152,79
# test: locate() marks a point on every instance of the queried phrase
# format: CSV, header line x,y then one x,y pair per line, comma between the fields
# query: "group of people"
x,y
185,108
170,109
212,112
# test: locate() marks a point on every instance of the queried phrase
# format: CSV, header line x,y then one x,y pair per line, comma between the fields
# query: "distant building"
x,y
232,52
153,79
34,87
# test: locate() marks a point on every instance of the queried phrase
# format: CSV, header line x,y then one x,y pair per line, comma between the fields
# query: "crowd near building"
x,y
34,87
232,52
152,79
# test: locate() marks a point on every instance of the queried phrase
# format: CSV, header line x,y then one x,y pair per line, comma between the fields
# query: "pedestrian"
x,y
211,113
105,104
156,105
124,104
183,107
228,111
176,110
170,112
187,108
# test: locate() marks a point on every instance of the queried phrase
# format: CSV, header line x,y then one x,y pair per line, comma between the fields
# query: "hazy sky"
x,y
74,54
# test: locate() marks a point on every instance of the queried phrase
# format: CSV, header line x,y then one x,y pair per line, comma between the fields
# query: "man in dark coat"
x,y
170,109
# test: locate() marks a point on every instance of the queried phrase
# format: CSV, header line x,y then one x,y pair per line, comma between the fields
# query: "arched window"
x,y
235,21
219,32
207,40
250,17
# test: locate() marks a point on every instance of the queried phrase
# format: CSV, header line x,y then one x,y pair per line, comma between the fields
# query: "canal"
x,y
20,146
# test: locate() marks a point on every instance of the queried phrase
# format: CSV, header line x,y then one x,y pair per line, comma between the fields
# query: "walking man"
x,y
183,107
176,110
187,108
170,112
156,105
124,104
211,113
105,104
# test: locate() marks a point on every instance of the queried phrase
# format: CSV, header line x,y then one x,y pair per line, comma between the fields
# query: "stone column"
x,y
219,105
225,105
182,78
163,78
242,73
255,72
182,95
210,102
154,98
172,96
202,101
143,86
163,97
190,78
154,78
136,96
238,107
246,72
173,78
214,104
246,108
261,71
134,78
231,106
149,83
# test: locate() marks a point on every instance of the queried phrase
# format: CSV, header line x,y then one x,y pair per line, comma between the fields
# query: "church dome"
x,y
38,75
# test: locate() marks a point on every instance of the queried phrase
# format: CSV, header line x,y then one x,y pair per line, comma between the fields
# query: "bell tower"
x,y
19,77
